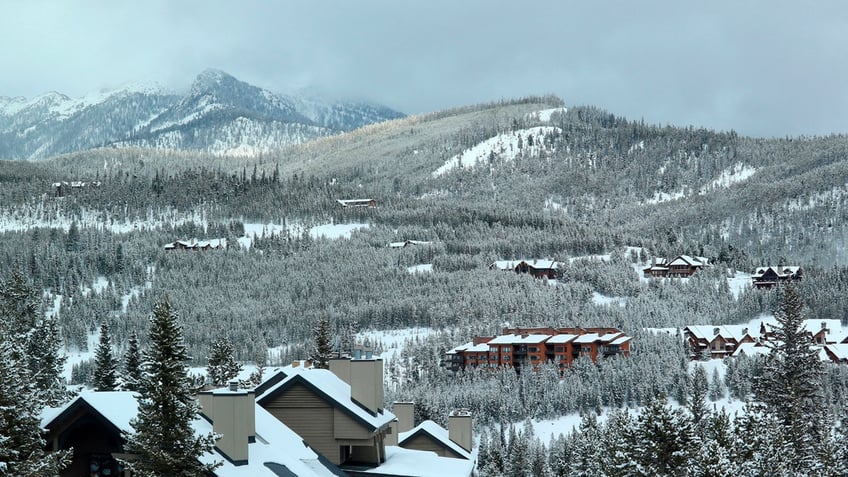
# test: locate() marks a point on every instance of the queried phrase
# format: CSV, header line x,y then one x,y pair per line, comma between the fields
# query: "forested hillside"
x,y
526,178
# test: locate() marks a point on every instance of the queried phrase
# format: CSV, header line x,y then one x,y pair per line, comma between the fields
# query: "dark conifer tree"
x,y
322,348
791,384
105,365
131,379
163,437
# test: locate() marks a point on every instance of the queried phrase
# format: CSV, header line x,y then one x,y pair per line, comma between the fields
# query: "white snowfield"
x,y
505,146
733,175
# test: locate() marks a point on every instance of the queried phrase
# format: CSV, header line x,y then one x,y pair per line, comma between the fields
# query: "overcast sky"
x,y
764,68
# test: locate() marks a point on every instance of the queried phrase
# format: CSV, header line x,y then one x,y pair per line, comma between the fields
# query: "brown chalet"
x,y
720,341
678,267
767,277
539,345
537,267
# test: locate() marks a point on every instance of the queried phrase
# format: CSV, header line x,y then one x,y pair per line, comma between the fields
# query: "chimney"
x,y
295,364
459,428
365,377
366,383
405,413
392,435
715,331
824,325
232,413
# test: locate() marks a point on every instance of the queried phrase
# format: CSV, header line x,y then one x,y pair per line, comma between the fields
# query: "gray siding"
x,y
309,416
425,443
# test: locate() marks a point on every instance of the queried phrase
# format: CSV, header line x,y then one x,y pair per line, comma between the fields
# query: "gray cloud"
x,y
768,68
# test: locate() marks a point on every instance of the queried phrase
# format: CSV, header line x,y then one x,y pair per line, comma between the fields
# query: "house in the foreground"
x,y
767,277
680,266
339,413
455,442
252,441
535,346
536,267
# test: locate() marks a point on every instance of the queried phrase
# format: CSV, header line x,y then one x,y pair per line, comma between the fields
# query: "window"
x,y
534,358
506,358
533,349
506,349
559,349
493,349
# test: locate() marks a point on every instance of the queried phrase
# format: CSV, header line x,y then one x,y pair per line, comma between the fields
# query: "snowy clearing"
x,y
335,231
505,146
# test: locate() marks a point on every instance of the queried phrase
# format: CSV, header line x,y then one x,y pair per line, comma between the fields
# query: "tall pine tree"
x,y
791,383
163,437
131,379
105,366
323,347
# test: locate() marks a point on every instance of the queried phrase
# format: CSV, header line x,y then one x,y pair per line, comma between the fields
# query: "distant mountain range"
x,y
219,114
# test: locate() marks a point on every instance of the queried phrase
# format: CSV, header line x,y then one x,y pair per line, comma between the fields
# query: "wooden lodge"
x,y
679,267
538,268
370,203
767,277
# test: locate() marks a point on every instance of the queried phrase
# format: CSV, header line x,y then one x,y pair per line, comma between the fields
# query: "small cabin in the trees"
x,y
767,277
370,203
678,267
195,245
537,267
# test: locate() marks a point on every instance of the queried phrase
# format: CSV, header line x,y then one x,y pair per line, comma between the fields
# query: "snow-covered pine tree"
x,y
322,347
105,365
163,438
221,365
664,440
131,379
21,441
791,383
698,389
38,337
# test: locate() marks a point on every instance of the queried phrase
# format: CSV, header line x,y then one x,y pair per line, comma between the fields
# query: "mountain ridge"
x,y
218,114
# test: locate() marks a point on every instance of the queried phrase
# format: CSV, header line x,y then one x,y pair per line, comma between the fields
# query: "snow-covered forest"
x,y
600,194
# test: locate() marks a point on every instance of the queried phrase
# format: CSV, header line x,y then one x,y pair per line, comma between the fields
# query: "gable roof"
x,y
275,442
436,433
331,388
687,260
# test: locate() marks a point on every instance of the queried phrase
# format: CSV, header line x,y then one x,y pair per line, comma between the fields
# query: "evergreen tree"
x,y
221,365
663,440
322,347
791,383
38,338
105,365
257,376
21,441
698,389
163,437
131,379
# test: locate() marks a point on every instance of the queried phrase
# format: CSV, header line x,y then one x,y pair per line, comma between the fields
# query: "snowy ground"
x,y
420,268
504,146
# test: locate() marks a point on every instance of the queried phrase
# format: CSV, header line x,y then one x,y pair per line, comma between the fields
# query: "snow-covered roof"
x,y
605,338
735,332
691,261
840,351
751,349
408,242
334,388
537,263
275,443
559,339
780,271
435,431
504,339
478,348
415,463
621,340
